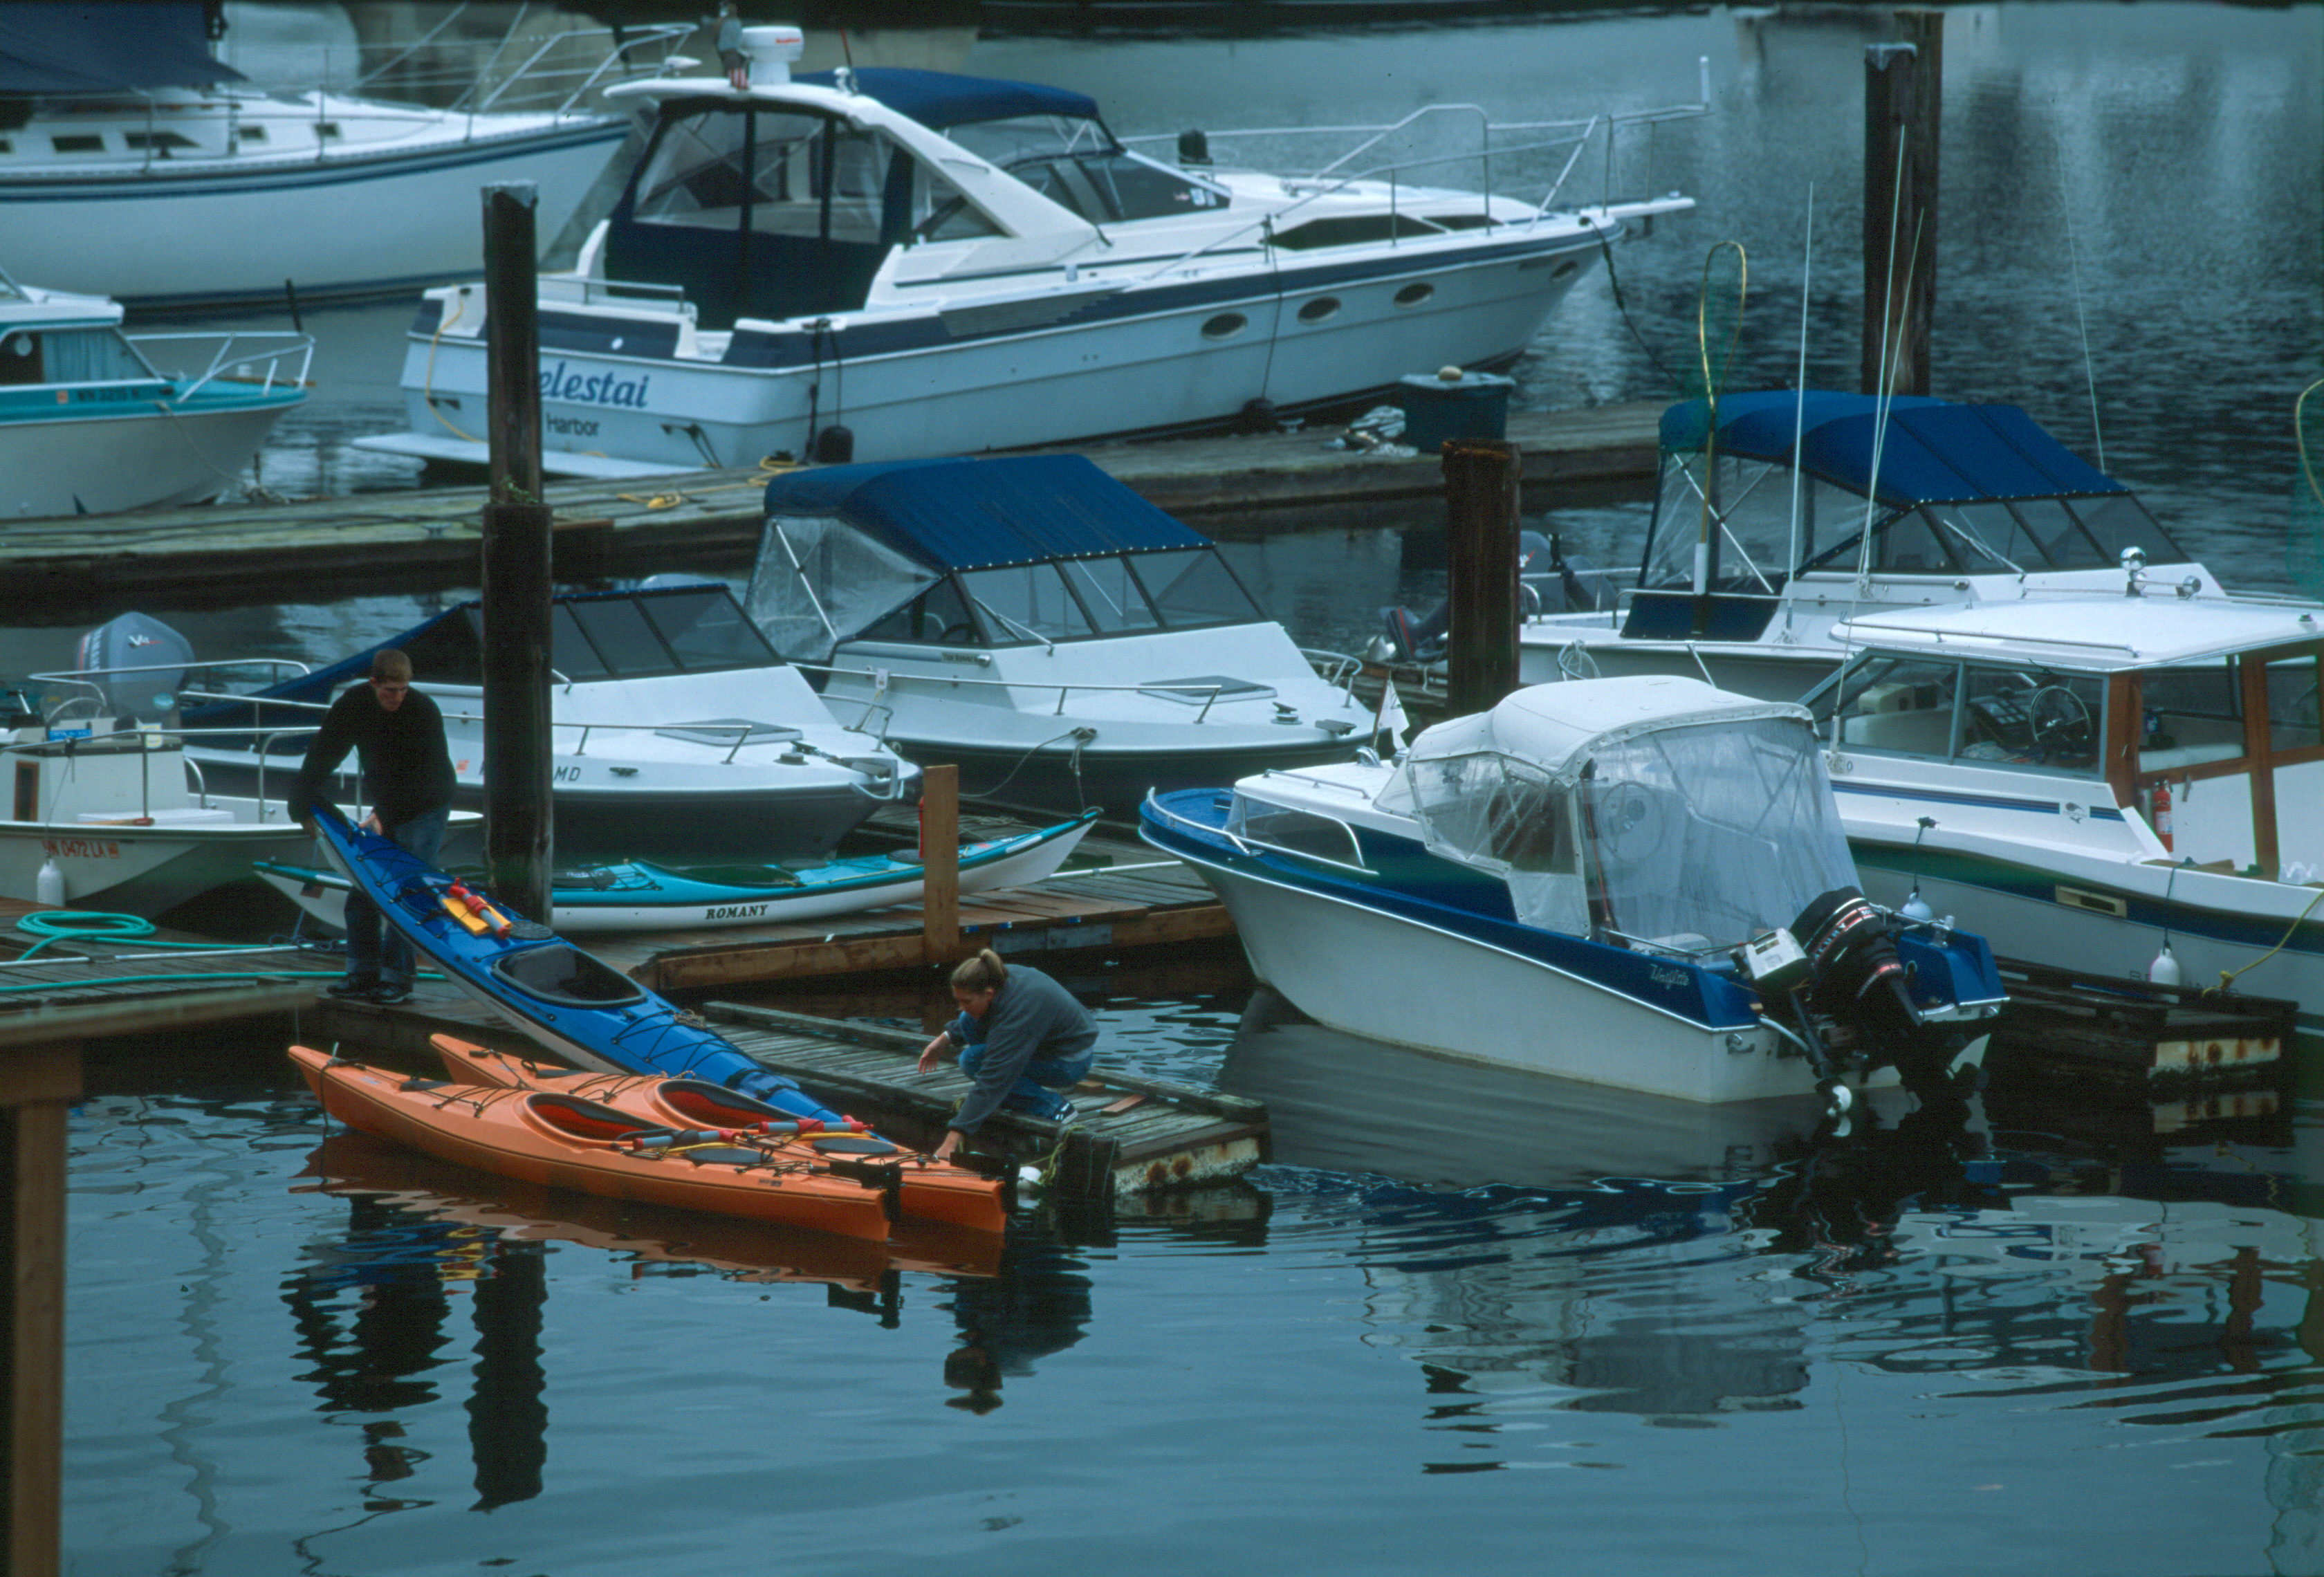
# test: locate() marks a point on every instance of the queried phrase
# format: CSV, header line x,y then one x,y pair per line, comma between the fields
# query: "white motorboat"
x,y
94,420
892,263
1037,624
133,163
1596,880
105,813
2095,782
677,735
1769,529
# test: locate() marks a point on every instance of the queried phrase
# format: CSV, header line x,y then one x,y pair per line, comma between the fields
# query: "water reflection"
x,y
1531,1245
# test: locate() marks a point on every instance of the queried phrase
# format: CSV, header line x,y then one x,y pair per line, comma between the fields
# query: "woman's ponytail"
x,y
983,972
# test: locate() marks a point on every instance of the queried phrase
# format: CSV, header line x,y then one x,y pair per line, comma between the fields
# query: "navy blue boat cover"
x,y
105,47
1935,451
938,99
978,514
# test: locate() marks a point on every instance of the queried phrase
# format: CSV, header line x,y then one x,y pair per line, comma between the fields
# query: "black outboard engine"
x,y
158,655
1855,978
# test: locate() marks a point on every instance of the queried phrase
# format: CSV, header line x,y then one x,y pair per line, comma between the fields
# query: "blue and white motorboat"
x,y
636,895
94,420
1639,882
133,163
1035,622
677,734
577,1006
2105,784
940,264
1783,515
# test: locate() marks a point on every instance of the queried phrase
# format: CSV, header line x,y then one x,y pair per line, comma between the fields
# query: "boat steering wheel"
x,y
2060,722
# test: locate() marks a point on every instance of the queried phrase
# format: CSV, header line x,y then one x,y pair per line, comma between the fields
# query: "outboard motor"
x,y
135,641
1837,968
1855,977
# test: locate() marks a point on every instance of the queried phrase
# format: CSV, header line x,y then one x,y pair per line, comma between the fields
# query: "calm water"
x,y
1495,1324
1461,1318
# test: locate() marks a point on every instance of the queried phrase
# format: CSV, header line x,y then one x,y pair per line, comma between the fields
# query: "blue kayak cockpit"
x,y
566,977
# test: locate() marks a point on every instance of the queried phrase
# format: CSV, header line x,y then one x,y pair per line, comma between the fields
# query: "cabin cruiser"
x,y
134,163
677,734
1638,881
1035,622
94,420
885,262
2107,783
1780,516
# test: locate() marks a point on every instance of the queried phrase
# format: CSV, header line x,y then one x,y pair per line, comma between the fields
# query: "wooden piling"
x,y
519,836
38,1084
940,862
1481,499
1903,95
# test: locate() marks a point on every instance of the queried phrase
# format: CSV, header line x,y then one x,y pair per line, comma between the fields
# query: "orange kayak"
x,y
648,1237
569,1141
930,1190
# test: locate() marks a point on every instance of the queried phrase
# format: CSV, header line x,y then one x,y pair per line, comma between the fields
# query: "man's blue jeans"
x,y
1034,1093
421,838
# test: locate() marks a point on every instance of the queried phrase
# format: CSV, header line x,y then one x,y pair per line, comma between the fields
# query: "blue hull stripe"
x,y
1981,801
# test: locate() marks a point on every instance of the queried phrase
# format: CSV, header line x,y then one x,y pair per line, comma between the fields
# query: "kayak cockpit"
x,y
566,977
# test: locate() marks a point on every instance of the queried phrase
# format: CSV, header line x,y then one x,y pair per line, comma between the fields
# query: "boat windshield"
x,y
1985,713
1754,544
1075,162
1701,834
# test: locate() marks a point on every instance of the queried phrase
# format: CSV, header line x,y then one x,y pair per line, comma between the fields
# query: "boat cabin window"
x,y
763,213
2190,717
938,617
2032,717
2292,688
622,637
70,356
1509,816
1991,537
1111,594
569,652
1896,705
1193,587
1025,602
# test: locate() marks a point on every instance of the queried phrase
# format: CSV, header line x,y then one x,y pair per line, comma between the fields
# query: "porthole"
x,y
1413,295
1566,271
1321,309
1225,326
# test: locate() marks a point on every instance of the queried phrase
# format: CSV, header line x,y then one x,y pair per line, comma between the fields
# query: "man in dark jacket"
x,y
398,735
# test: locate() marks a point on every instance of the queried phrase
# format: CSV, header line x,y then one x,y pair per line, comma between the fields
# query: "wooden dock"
x,y
431,536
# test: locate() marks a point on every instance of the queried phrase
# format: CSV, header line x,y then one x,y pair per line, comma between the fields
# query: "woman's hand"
x,y
933,1053
943,1152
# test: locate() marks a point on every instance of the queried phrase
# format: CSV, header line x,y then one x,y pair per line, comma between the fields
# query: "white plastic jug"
x,y
49,886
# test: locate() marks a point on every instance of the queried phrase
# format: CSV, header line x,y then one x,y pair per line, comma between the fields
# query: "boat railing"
x,y
84,679
1246,843
741,731
884,679
260,364
549,73
1335,667
1575,136
150,740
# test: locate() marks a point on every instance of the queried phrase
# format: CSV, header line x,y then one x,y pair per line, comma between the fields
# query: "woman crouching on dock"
x,y
1020,1035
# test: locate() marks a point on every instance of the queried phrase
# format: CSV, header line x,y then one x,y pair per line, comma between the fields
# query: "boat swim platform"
x,y
214,554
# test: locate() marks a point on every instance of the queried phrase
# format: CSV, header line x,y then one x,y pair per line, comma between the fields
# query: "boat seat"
x,y
848,1144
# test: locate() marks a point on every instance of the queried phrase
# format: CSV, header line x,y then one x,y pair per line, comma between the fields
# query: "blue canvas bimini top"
x,y
937,99
1935,451
981,514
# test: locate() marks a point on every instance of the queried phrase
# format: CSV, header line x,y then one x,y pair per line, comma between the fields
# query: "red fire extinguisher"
x,y
2162,812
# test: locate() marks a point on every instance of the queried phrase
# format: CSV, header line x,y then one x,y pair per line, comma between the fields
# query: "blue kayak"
x,y
580,1007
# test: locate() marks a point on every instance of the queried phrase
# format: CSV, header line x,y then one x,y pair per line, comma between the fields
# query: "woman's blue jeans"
x,y
420,837
1034,1093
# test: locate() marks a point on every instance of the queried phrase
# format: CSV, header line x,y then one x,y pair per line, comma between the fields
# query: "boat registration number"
x,y
80,848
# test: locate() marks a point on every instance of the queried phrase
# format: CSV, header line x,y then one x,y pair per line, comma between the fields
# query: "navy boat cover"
x,y
980,515
937,99
105,48
1935,451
